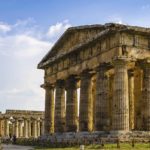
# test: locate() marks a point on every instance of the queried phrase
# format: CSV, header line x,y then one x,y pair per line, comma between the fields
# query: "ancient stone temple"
x,y
22,123
97,78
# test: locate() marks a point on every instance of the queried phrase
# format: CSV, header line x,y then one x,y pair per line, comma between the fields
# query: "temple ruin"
x,y
22,123
97,78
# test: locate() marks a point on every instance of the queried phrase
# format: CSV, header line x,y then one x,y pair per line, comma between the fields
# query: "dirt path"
x,y
15,147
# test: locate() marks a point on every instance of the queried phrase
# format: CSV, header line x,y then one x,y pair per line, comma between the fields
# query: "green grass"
x,y
139,146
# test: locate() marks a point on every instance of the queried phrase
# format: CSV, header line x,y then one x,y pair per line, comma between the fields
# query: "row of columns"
x,y
115,117
25,128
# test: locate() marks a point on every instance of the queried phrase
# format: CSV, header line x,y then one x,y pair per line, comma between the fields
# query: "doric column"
x,y
3,127
42,127
25,128
35,128
120,118
146,95
71,104
6,127
60,106
29,128
102,99
131,99
13,128
20,128
94,99
38,128
49,109
86,104
111,87
16,128
138,81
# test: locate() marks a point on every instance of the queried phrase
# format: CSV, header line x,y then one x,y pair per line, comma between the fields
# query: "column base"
x,y
119,132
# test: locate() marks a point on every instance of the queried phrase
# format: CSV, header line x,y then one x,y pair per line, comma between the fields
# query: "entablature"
x,y
101,51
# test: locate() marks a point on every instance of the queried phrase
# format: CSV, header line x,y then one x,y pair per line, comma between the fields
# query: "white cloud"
x,y
22,46
58,28
28,41
4,27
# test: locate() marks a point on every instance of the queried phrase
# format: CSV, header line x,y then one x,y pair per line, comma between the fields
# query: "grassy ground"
x,y
106,147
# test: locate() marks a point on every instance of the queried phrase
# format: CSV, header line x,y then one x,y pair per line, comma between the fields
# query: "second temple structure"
x,y
21,123
97,78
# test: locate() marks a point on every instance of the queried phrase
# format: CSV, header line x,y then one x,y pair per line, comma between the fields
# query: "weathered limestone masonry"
x,y
85,119
60,107
120,118
49,109
102,100
110,66
23,124
71,104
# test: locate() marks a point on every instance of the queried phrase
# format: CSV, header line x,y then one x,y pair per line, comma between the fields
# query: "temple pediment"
x,y
72,37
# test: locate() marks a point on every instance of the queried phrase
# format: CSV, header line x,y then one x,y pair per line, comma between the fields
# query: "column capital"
x,y
60,83
131,73
122,60
33,118
144,63
21,119
6,118
26,119
104,66
87,73
71,82
47,86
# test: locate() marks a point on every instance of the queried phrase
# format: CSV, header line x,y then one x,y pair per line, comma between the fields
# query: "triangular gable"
x,y
71,38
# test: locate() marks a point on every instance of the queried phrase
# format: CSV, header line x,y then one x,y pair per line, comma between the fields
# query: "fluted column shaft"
x,y
29,128
38,128
111,87
94,99
60,106
102,100
49,110
16,128
20,128
6,127
138,81
25,128
13,128
42,127
146,95
120,120
86,104
71,104
131,100
35,128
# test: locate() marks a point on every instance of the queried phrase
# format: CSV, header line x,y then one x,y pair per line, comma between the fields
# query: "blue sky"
x,y
47,12
28,29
